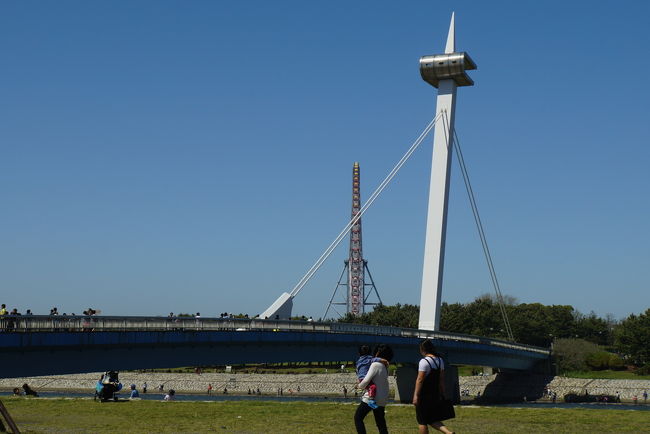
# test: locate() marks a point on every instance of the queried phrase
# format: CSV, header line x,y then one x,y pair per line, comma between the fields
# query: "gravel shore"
x,y
305,384
300,384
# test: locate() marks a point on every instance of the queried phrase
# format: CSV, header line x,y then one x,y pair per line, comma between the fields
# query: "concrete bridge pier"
x,y
406,374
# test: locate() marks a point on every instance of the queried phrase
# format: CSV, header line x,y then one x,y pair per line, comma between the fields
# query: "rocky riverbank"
x,y
268,384
328,384
560,385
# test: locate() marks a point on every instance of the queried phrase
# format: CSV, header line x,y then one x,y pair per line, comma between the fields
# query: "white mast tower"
x,y
445,72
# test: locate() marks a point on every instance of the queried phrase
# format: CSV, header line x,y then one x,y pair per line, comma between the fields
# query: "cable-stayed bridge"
x,y
48,345
36,345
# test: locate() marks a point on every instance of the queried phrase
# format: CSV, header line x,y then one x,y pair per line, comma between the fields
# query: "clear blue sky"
x,y
187,156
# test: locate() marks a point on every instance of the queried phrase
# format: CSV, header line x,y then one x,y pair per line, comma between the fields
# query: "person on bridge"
x,y
377,374
429,390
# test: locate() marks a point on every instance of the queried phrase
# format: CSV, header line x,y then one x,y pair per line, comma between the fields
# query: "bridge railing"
x,y
69,323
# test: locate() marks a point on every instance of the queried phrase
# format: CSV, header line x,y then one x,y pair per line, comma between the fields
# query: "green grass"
x,y
607,374
87,416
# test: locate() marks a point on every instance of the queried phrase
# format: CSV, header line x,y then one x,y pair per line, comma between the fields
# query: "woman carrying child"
x,y
377,375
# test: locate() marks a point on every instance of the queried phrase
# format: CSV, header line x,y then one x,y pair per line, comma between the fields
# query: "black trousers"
x,y
380,419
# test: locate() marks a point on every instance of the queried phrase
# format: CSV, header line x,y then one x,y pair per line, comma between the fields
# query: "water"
x,y
156,396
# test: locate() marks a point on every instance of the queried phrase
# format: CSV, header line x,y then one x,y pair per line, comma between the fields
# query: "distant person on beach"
x,y
378,375
17,392
210,389
144,387
134,392
171,395
29,391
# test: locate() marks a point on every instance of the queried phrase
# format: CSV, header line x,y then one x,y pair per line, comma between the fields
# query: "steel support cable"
x,y
302,282
481,231
363,209
486,250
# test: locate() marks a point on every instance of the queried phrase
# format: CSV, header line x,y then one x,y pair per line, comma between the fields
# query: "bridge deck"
x,y
47,345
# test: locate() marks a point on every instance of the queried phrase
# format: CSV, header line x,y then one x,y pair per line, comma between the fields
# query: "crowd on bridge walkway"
x,y
8,318
53,312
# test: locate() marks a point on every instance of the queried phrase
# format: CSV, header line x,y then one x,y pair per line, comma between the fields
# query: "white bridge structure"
x,y
446,72
34,345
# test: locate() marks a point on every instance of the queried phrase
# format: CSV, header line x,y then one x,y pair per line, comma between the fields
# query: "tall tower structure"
x,y
356,287
445,72
353,277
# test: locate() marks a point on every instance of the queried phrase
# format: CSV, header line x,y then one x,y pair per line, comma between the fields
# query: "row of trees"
x,y
531,323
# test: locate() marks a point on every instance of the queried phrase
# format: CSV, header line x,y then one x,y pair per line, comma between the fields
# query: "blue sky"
x,y
161,156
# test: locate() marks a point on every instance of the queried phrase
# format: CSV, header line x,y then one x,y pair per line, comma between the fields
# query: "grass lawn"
x,y
607,374
87,416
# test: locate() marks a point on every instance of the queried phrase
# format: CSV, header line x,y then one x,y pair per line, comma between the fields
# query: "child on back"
x,y
362,366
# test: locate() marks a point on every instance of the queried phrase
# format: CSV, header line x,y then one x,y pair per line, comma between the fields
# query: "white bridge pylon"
x,y
445,72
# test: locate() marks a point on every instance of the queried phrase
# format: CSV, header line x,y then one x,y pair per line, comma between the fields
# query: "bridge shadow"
x,y
512,386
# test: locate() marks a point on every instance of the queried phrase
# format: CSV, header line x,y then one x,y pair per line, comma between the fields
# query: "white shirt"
x,y
378,374
425,367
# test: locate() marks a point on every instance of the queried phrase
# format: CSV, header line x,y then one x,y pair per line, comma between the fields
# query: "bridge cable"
x,y
481,232
302,282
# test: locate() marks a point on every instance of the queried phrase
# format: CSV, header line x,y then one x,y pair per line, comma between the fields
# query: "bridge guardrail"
x,y
38,323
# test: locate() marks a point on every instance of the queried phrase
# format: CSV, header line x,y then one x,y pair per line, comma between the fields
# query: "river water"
x,y
227,397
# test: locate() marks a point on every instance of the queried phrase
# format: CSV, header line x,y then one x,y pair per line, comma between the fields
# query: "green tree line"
x,y
534,324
